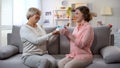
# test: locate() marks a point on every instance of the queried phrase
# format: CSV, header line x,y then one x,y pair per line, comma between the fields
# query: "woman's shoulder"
x,y
24,28
88,25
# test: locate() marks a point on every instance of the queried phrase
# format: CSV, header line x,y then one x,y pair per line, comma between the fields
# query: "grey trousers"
x,y
38,61
72,63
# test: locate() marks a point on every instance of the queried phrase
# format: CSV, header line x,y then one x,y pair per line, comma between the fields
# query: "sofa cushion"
x,y
64,43
111,54
7,51
101,38
13,62
98,62
15,38
53,48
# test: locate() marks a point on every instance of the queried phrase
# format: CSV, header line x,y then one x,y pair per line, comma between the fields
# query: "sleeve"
x,y
85,39
31,37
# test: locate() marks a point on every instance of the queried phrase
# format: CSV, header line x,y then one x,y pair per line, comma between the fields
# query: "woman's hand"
x,y
55,32
64,31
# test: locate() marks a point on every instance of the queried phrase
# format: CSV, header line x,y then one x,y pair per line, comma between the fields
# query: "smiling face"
x,y
78,16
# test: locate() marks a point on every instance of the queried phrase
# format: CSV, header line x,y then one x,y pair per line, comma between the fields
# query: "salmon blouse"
x,y
80,48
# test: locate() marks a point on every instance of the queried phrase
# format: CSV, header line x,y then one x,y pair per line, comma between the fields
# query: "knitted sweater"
x,y
35,39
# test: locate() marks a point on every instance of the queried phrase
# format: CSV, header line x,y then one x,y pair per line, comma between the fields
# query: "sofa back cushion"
x,y
64,43
15,38
53,48
101,39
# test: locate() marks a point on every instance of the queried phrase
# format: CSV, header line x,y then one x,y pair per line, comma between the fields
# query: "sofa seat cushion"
x,y
13,62
99,62
8,51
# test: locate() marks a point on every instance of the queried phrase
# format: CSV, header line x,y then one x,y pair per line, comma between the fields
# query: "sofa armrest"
x,y
8,51
9,38
111,54
112,39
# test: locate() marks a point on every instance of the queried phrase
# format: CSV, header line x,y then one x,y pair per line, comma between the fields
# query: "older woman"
x,y
80,41
34,40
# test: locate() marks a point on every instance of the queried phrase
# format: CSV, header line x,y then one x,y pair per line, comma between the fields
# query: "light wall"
x,y
6,12
13,12
94,5
0,21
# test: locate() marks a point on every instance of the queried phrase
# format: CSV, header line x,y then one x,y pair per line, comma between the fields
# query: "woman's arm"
x,y
86,38
66,32
52,39
28,35
80,42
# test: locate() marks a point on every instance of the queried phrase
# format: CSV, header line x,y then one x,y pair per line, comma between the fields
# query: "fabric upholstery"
x,y
64,43
111,54
117,39
13,62
99,62
7,51
101,38
53,48
15,38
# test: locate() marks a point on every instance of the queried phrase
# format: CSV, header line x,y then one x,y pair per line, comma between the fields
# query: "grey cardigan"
x,y
35,40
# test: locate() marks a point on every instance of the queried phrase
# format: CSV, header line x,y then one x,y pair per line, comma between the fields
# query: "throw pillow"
x,y
7,51
111,54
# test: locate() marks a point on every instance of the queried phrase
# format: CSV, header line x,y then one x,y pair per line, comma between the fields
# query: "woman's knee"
x,y
60,64
43,63
69,66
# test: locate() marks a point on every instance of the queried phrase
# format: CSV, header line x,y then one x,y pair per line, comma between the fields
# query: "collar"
x,y
81,24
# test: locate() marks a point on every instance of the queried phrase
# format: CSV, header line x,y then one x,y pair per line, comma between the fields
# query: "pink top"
x,y
80,48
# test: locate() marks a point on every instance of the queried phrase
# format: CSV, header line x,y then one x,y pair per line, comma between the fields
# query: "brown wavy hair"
x,y
86,13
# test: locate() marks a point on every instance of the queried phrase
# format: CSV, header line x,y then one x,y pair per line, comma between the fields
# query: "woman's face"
x,y
36,18
78,15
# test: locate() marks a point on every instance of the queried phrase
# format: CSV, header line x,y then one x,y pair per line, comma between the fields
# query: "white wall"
x,y
94,5
6,12
20,8
0,21
13,12
50,6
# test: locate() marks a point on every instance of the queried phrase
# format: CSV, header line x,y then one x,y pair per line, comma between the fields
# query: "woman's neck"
x,y
31,24
80,22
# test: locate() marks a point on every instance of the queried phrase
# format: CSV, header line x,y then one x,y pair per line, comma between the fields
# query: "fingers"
x,y
55,32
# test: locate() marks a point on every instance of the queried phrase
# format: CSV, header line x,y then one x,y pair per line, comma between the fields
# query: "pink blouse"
x,y
80,48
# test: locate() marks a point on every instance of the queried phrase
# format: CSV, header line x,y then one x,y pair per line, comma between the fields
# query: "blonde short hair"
x,y
32,11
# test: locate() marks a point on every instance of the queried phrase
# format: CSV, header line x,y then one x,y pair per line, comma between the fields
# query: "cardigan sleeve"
x,y
28,35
